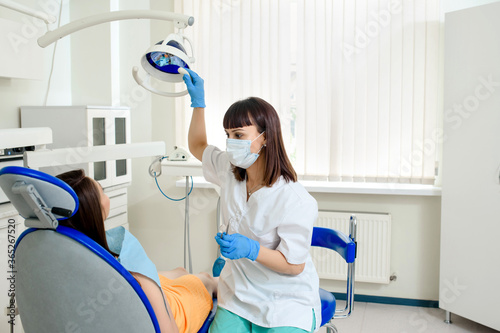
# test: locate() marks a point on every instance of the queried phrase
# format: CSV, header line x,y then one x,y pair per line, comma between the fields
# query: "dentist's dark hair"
x,y
88,218
258,112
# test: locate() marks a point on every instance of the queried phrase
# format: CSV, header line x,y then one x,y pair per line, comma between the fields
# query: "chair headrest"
x,y
55,192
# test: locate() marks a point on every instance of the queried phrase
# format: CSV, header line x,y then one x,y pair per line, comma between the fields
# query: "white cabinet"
x,y
117,207
84,126
470,225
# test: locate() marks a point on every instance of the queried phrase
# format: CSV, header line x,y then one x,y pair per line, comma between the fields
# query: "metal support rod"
x,y
187,244
349,306
447,319
218,225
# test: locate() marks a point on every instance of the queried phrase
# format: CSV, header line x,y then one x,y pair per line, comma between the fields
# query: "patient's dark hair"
x,y
88,218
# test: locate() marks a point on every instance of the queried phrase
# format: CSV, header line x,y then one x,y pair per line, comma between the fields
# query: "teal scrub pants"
x,y
228,322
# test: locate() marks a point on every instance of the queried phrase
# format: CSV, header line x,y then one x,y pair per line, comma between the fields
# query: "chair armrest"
x,y
335,240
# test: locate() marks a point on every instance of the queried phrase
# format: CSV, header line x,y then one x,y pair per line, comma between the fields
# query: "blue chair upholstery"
x,y
345,246
65,281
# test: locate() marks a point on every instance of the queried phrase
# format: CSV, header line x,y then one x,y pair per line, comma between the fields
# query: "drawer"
x,y
114,191
118,201
117,220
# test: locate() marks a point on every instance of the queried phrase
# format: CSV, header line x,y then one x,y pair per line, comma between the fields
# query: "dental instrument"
x,y
219,262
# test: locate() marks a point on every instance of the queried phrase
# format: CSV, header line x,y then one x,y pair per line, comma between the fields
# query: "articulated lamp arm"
x,y
181,21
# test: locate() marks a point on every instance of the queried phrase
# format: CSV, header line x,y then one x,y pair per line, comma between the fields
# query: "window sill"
x,y
345,188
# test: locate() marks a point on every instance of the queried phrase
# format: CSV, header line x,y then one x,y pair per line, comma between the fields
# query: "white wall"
x,y
17,92
414,247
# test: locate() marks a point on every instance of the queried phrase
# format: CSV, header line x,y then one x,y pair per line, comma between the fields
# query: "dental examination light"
x,y
164,61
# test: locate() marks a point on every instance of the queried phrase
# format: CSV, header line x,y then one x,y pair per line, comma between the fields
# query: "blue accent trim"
x,y
335,240
211,315
390,300
107,257
16,170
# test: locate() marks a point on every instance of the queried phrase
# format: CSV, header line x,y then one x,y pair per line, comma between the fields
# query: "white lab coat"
x,y
280,217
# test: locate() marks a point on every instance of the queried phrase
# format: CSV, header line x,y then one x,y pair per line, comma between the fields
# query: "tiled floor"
x,y
383,318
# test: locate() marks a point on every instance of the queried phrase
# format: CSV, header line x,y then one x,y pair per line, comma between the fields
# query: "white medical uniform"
x,y
281,218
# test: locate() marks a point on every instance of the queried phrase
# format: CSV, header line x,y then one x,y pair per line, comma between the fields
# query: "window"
x,y
356,83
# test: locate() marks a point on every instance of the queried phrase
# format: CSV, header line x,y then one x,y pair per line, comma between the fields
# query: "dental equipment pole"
x,y
187,237
184,168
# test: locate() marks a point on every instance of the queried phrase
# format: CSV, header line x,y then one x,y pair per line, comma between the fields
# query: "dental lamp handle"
x,y
196,88
147,85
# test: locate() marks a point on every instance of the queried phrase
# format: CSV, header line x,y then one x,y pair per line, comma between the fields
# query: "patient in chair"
x,y
188,297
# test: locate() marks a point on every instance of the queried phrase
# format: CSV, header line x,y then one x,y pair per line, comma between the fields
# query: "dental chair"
x,y
346,247
66,282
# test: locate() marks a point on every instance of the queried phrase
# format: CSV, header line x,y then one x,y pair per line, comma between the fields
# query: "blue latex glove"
x,y
195,86
237,246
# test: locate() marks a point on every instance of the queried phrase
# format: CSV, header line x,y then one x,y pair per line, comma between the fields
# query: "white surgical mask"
x,y
239,154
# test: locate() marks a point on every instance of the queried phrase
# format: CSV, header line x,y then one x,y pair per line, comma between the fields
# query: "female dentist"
x,y
270,284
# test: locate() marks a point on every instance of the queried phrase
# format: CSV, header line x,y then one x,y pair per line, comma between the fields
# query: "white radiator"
x,y
374,247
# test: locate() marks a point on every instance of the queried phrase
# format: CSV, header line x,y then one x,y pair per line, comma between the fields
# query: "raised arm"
x,y
197,136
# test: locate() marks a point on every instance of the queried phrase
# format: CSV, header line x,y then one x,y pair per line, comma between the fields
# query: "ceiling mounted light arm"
x,y
181,22
167,60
